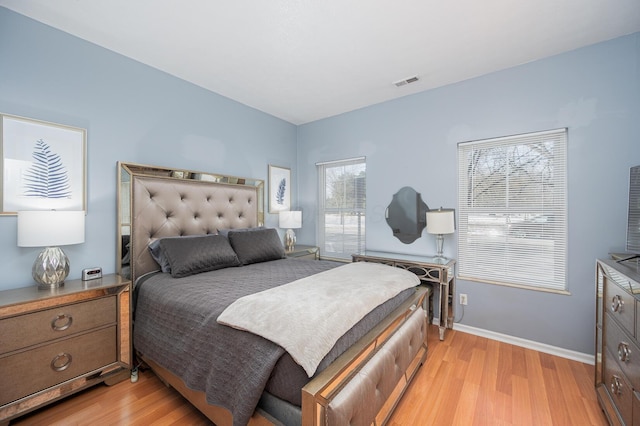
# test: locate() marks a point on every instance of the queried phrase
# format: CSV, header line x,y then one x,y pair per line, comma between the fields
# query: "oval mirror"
x,y
406,215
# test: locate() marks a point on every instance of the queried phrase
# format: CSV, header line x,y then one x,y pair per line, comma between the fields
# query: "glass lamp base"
x,y
50,268
289,240
439,245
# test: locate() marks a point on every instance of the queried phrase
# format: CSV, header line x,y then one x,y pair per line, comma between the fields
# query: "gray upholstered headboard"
x,y
166,207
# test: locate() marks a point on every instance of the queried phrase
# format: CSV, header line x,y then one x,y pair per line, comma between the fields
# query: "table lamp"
x,y
440,222
50,229
290,220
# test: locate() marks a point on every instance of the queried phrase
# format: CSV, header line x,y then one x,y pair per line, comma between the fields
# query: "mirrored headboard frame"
x,y
130,172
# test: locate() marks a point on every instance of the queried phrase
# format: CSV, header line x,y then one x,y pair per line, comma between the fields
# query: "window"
x,y
341,221
512,210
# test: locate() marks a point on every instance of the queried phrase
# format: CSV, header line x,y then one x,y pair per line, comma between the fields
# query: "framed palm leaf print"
x,y
43,165
279,189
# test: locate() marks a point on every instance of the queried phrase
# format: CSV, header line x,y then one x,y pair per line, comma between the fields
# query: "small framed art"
x,y
279,189
43,166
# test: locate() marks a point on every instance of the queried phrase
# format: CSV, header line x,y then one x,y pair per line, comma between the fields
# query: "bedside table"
x,y
56,342
304,252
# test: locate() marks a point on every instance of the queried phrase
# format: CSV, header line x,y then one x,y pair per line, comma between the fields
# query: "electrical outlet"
x,y
463,299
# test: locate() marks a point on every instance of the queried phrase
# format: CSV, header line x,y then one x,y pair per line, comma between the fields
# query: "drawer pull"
x,y
617,303
624,353
61,362
55,323
616,385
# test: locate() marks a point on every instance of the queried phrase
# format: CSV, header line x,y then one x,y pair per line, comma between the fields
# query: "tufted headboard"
x,y
167,207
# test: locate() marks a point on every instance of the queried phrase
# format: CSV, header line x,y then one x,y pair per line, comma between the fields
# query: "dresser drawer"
x,y
621,305
38,327
624,350
618,388
30,371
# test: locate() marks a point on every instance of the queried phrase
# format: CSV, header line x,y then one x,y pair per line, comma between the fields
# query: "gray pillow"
x,y
189,256
256,246
158,255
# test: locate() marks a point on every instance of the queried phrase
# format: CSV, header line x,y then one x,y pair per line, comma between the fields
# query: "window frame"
x,y
360,244
523,242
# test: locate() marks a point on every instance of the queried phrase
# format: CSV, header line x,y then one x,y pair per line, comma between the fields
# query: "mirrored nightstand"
x,y
304,252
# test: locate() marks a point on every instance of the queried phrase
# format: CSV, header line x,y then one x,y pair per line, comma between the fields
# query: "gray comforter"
x,y
175,325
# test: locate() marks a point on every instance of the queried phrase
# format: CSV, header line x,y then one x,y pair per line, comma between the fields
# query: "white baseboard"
x,y
529,344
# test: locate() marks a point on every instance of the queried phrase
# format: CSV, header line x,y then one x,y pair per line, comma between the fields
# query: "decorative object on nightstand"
x,y
290,220
50,229
440,222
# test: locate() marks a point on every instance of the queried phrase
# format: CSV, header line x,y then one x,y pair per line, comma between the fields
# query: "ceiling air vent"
x,y
406,81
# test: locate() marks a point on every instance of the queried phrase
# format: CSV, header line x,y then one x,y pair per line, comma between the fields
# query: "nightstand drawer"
x,y
31,371
39,327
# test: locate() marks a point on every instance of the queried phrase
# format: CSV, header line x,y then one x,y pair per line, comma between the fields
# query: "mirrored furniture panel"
x,y
617,361
128,171
430,270
406,215
304,252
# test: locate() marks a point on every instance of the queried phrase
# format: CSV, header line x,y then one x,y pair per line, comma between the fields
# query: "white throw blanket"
x,y
307,317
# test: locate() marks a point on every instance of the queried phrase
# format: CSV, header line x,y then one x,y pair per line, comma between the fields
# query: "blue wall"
x,y
132,113
594,91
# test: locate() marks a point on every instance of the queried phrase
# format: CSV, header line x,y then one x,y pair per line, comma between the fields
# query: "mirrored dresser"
x,y
617,362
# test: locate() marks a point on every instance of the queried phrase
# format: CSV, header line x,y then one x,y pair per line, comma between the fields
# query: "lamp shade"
x,y
441,221
290,219
47,228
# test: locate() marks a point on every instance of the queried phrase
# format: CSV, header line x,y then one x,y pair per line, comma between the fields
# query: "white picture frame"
x,y
279,189
43,165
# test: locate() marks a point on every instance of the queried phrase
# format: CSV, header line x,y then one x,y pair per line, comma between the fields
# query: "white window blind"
x,y
512,210
342,205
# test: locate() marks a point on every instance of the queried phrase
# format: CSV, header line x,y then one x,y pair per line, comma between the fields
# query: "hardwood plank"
x,y
466,380
539,396
521,401
560,412
503,380
490,369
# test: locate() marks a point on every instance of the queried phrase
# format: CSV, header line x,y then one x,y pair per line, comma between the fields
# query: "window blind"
x,y
512,210
342,206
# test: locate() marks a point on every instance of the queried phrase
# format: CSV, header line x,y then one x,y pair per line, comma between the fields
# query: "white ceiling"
x,y
306,60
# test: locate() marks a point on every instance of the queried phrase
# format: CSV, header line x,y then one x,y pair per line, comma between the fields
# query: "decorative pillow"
x,y
189,256
256,246
225,232
158,255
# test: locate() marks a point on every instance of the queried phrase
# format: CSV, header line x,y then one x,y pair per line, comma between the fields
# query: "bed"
x,y
205,326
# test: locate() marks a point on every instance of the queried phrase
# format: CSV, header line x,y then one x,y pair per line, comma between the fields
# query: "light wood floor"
x,y
467,380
